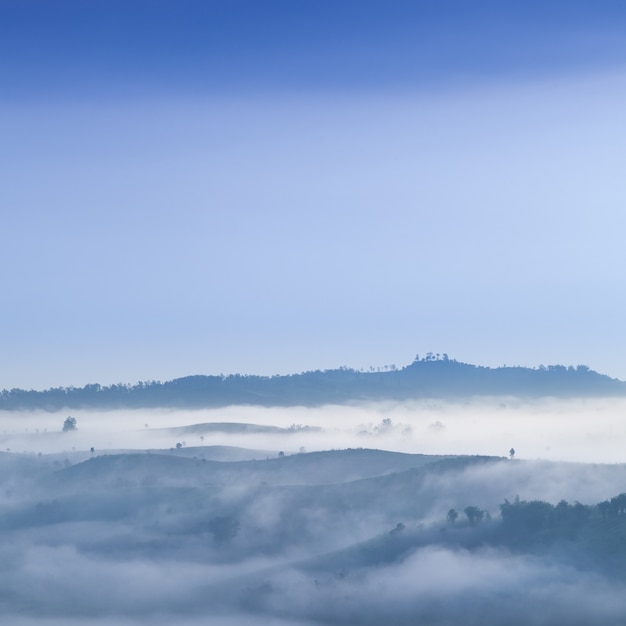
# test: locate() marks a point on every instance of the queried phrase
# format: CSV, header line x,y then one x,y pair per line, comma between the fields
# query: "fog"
x,y
581,430
436,586
306,516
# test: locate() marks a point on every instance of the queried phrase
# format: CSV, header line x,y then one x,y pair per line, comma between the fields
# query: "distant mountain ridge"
x,y
428,377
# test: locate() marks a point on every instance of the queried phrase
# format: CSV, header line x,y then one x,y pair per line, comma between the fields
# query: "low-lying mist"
x,y
315,516
583,430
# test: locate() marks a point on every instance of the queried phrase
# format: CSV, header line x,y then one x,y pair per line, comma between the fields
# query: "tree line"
x,y
523,519
432,376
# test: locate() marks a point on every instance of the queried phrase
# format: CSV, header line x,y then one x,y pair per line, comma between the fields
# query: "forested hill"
x,y
430,377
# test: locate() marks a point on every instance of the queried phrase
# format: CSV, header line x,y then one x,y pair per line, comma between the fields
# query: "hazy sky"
x,y
270,187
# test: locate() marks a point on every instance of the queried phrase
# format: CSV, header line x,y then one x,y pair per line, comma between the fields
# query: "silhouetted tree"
x,y
512,452
452,516
474,514
69,424
385,426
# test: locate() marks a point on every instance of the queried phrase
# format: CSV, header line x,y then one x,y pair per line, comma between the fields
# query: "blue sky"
x,y
269,187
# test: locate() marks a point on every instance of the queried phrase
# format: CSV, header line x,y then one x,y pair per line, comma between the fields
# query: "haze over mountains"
x,y
205,186
433,376
354,536
438,493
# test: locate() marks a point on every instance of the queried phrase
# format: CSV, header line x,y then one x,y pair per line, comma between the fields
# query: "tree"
x,y
69,424
512,452
385,426
474,514
452,516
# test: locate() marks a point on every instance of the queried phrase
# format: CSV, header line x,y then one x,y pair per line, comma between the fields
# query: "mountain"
x,y
351,536
429,377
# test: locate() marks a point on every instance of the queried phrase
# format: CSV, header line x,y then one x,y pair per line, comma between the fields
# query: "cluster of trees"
x,y
526,517
614,507
473,514
535,515
430,356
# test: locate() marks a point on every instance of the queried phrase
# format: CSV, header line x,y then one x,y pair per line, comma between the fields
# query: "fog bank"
x,y
588,430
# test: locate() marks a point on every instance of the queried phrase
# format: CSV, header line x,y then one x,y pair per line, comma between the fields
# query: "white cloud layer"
x,y
175,536
585,430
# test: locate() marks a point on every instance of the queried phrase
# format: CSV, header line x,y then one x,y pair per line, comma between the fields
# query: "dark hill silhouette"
x,y
429,377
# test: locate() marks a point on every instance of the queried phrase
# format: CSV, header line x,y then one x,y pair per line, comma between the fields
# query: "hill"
x,y
344,536
429,377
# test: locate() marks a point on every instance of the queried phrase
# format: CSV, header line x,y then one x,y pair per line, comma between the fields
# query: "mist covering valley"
x,y
228,200
325,515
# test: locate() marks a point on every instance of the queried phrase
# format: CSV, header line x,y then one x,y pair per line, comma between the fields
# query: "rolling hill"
x,y
429,377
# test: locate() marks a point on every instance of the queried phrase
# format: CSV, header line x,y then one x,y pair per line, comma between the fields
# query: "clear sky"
x,y
268,187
